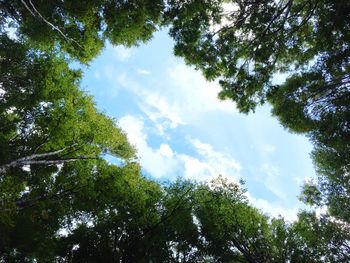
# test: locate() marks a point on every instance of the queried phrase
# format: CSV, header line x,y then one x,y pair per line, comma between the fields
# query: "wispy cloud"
x,y
180,128
212,163
271,177
274,209
143,71
194,93
205,164
121,53
164,161
158,162
186,97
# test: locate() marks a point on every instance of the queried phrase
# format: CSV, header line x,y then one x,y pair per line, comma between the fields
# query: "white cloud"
x,y
207,164
196,169
134,127
159,108
274,209
164,161
186,97
156,106
194,94
165,150
121,53
143,71
211,163
158,162
271,178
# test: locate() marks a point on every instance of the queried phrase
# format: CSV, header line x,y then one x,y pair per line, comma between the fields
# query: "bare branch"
x,y
36,158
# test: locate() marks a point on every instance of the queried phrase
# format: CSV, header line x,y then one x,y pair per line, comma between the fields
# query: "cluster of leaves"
x,y
82,29
44,117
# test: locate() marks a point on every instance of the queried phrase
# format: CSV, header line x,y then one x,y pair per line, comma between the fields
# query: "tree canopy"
x,y
247,45
60,199
45,117
82,29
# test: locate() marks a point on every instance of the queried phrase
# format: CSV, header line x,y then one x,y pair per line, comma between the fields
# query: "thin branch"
x,y
43,155
58,161
26,6
46,162
23,204
31,159
46,140
55,28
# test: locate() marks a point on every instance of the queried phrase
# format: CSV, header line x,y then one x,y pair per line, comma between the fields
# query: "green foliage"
x,y
61,201
233,230
82,29
325,239
52,174
244,47
332,188
43,111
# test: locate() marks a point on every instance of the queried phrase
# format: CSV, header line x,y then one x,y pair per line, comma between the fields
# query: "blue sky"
x,y
179,127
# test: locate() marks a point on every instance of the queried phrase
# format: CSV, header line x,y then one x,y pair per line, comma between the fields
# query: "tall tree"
x,y
49,132
233,231
80,29
246,43
250,41
325,239
45,118
332,188
61,201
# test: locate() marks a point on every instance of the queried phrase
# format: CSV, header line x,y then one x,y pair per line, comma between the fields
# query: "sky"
x,y
172,116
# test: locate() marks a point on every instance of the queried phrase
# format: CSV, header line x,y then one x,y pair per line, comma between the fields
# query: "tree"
x,y
331,189
81,29
233,230
46,125
121,207
247,45
45,118
325,239
61,201
100,208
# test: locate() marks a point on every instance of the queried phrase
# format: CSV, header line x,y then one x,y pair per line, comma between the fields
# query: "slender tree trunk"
x,y
41,158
